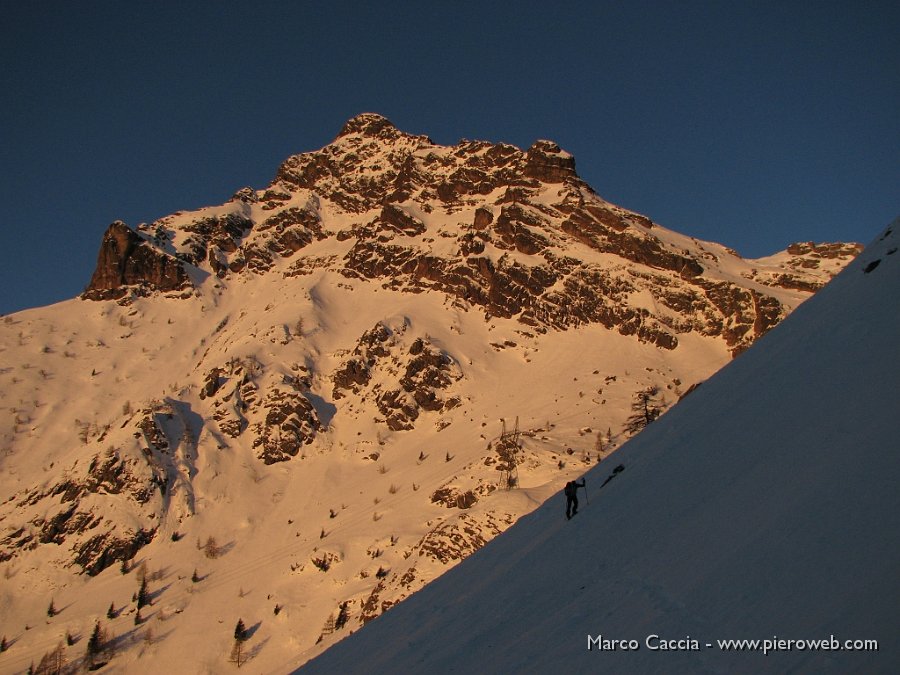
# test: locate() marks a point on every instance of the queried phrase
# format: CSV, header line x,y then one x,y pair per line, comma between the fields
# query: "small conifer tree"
x,y
143,595
342,617
149,637
95,647
57,659
52,663
240,637
211,548
645,409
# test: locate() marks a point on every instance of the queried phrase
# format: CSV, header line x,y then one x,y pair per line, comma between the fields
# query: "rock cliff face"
x,y
127,261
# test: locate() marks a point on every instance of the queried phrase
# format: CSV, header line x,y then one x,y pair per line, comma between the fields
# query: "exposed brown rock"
x,y
291,422
222,232
126,260
793,282
349,377
369,124
458,538
483,217
103,550
454,498
427,373
546,162
396,219
372,608
67,521
212,383
826,250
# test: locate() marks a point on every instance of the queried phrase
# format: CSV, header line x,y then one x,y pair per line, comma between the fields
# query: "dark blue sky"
x,y
754,124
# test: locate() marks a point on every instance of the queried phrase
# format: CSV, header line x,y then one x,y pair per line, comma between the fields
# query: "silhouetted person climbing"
x,y
571,493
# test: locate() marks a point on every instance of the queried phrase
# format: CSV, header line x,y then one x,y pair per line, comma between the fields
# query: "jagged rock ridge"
x,y
515,233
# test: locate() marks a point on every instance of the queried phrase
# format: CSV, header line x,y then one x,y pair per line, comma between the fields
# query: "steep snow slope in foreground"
x,y
765,505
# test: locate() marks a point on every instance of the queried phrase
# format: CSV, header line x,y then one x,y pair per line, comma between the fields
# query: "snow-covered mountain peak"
x,y
370,124
514,233
322,394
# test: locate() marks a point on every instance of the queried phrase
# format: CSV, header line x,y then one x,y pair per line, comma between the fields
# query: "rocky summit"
x,y
300,406
517,234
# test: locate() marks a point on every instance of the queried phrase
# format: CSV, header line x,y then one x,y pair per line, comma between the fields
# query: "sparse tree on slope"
x,y
342,617
240,637
644,410
97,648
143,595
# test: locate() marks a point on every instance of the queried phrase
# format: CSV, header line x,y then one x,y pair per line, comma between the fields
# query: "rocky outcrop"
x,y
127,262
353,172
216,232
110,474
214,380
290,423
428,373
69,514
841,251
546,162
395,219
103,550
808,266
355,373
370,124
410,380
233,392
739,315
454,498
246,397
457,539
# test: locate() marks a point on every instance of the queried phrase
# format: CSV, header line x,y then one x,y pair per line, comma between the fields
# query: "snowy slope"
x,y
316,375
763,506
